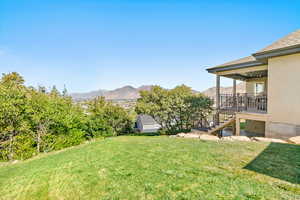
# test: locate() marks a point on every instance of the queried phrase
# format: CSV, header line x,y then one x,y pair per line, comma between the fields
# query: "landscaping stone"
x,y
15,161
191,135
237,138
180,134
173,136
263,139
209,137
195,131
295,140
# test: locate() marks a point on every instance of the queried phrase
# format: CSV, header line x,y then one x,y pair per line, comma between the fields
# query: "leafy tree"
x,y
34,120
156,104
65,91
115,116
12,80
175,110
54,91
41,112
13,120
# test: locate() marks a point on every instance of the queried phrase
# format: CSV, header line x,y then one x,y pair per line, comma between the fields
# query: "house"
x,y
146,124
271,104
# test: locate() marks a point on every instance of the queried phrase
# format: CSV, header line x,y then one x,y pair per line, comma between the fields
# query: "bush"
x,y
37,120
48,143
23,147
58,142
97,127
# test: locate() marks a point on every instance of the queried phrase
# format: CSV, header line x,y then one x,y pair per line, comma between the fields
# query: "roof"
x,y
248,61
292,39
287,45
146,120
238,61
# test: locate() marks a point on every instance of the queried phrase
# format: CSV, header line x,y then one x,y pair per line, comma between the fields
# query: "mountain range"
x,y
131,93
126,92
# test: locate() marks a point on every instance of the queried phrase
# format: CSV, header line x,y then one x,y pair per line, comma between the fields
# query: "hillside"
x,y
127,92
131,93
211,92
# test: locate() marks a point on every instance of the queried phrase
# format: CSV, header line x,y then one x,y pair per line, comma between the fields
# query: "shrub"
x,y
97,127
23,147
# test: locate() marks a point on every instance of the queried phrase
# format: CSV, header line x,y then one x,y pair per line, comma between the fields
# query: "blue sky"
x,y
89,44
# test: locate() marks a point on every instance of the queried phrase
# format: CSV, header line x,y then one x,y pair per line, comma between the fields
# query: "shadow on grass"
x,y
280,161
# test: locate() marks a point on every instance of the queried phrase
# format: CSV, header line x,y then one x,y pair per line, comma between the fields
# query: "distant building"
x,y
146,124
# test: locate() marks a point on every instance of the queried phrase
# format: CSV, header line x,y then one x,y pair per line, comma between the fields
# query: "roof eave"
x,y
235,66
277,52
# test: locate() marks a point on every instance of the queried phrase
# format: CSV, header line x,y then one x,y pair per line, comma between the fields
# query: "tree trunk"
x,y
38,141
40,131
11,154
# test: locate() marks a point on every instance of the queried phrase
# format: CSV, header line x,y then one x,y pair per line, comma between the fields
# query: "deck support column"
x,y
217,100
234,95
237,126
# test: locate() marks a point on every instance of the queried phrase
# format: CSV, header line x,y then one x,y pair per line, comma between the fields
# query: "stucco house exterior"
x,y
271,104
146,124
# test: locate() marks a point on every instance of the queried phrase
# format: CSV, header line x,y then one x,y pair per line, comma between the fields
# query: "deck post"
x,y
237,126
234,95
217,100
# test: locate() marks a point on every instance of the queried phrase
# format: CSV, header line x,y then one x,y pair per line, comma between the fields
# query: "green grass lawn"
x,y
157,167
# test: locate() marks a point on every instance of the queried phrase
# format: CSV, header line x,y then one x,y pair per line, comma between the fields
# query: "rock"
x,y
173,136
15,161
295,140
195,131
180,134
209,137
237,138
191,135
227,138
263,139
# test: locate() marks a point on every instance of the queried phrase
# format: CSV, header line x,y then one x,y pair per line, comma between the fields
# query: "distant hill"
x,y
126,92
211,92
131,93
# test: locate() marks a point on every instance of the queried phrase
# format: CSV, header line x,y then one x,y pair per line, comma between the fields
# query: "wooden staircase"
x,y
221,126
212,127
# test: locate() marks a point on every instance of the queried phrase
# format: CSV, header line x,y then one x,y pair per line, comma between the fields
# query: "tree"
x,y
115,116
54,91
156,104
12,80
13,119
175,110
41,111
65,91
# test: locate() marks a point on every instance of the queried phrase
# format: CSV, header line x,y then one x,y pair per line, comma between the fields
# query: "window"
x,y
259,88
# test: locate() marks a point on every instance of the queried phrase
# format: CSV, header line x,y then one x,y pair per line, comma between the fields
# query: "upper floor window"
x,y
259,88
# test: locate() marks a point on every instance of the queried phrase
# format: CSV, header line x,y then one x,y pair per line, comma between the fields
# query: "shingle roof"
x,y
242,61
290,40
238,61
147,119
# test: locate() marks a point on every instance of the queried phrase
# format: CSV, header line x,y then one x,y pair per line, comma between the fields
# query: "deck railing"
x,y
244,102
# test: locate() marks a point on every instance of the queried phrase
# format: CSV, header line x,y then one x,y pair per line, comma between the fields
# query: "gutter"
x,y
236,66
277,52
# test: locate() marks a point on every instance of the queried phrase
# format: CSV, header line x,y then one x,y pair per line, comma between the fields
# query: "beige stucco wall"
x,y
254,126
250,85
284,96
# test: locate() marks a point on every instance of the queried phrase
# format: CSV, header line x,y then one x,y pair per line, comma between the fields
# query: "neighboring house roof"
x,y
147,120
287,45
